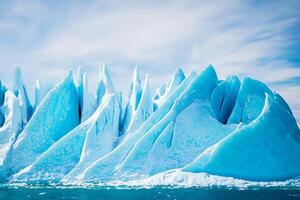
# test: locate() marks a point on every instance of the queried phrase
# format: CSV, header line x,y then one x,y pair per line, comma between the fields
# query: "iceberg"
x,y
263,150
73,151
57,115
143,158
104,168
93,138
194,126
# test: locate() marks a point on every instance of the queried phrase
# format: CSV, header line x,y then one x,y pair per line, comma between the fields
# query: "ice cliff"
x,y
196,123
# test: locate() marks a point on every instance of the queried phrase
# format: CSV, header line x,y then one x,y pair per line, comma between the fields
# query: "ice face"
x,y
12,124
194,124
164,90
164,147
101,137
250,101
105,85
104,167
40,91
10,129
182,97
135,94
88,103
58,160
93,138
223,98
21,92
263,150
143,110
56,116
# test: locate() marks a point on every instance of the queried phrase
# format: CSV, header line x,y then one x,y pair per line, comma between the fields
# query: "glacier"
x,y
193,127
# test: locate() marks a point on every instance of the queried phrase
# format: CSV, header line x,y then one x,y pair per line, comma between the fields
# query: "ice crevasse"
x,y
196,123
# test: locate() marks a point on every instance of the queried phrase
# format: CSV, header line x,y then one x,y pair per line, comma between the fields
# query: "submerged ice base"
x,y
195,126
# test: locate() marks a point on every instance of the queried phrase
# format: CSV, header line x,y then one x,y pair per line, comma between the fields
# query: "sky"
x,y
260,39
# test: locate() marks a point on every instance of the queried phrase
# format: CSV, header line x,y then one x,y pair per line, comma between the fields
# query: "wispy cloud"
x,y
239,37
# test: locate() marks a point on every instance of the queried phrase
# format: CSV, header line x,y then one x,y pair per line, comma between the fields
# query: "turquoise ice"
x,y
56,116
196,123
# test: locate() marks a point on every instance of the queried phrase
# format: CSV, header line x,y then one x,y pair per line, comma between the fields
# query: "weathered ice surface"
x,y
55,117
193,125
263,150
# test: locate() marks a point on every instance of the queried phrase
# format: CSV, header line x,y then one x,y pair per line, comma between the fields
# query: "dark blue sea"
x,y
21,193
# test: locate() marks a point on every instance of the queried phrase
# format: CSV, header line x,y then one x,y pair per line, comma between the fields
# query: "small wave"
x,y
173,179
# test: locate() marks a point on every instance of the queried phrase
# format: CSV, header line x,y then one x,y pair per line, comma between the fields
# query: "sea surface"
x,y
139,193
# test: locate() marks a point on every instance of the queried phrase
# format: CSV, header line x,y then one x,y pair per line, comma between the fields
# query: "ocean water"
x,y
138,193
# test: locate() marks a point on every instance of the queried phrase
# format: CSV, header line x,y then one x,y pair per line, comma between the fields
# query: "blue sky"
x,y
260,39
